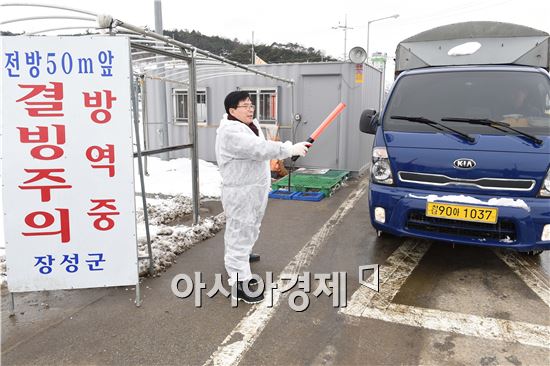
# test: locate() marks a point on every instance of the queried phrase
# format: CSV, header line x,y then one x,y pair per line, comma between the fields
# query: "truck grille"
x,y
482,183
503,230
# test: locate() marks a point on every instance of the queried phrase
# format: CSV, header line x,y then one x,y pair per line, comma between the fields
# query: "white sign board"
x,y
67,162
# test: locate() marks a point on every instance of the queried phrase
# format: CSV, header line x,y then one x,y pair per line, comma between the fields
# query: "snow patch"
x,y
168,238
173,177
464,49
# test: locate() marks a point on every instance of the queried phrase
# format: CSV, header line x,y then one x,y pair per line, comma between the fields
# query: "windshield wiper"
x,y
494,124
436,125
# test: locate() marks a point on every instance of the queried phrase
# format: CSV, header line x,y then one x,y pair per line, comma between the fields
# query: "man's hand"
x,y
300,149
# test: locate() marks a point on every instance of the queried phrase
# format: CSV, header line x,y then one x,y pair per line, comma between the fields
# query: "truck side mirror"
x,y
368,123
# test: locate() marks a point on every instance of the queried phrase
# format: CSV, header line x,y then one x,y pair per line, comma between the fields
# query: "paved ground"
x,y
437,304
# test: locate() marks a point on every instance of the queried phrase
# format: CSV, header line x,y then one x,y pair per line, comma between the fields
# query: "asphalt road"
x,y
437,304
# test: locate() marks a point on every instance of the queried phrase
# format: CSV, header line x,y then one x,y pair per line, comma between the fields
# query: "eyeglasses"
x,y
248,106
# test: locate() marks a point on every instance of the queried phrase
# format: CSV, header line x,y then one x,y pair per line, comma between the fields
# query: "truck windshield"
x,y
519,99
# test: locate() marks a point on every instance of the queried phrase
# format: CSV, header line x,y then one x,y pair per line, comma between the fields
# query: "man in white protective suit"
x,y
243,156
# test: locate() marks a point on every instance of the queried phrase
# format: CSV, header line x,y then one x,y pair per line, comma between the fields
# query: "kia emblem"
x,y
464,163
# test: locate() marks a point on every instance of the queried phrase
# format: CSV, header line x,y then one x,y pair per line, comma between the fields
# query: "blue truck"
x,y
461,149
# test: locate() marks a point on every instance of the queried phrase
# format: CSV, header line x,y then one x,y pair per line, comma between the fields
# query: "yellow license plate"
x,y
462,212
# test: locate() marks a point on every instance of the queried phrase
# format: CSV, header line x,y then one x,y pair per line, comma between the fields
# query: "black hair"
x,y
232,99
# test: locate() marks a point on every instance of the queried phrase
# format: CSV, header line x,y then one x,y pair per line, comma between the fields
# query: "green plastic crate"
x,y
300,182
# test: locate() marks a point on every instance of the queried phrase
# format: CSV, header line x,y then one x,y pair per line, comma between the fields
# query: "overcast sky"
x,y
306,22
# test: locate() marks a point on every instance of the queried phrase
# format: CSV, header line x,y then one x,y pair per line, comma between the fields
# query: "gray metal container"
x,y
498,43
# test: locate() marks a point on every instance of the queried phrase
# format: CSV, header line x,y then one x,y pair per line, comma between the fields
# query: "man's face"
x,y
244,111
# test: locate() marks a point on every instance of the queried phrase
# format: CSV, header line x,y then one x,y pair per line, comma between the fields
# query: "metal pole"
x,y
382,85
141,178
345,28
159,36
160,91
144,118
192,111
138,294
293,134
51,7
119,23
368,30
368,40
345,37
158,17
253,54
44,18
146,153
12,305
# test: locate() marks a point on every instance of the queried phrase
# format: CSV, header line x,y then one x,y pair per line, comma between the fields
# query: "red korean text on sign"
x,y
42,136
103,209
45,190
95,154
51,104
103,101
43,220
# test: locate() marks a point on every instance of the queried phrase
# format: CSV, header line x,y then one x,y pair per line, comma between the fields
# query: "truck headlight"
x,y
545,233
380,169
545,189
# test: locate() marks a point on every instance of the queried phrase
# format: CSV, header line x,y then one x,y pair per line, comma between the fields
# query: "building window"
x,y
181,111
265,101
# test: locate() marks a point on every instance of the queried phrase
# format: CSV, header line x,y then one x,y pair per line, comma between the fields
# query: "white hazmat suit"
x,y
243,161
